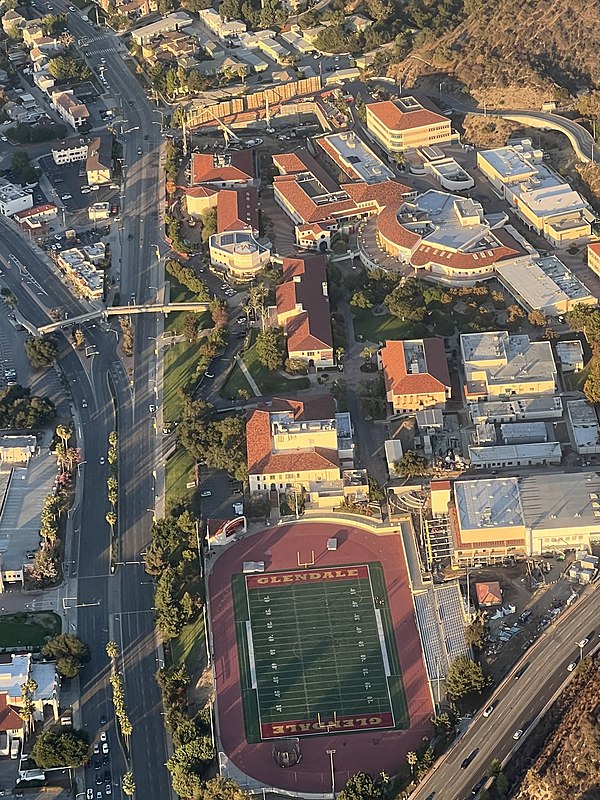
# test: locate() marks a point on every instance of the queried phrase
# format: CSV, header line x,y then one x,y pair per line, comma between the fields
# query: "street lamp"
x,y
580,645
331,754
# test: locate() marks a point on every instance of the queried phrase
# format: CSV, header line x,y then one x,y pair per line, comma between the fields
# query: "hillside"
x,y
504,51
568,745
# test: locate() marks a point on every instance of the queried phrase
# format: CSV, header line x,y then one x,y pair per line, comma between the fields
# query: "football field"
x,y
317,652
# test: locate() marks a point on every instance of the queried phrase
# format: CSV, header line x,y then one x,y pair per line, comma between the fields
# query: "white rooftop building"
x,y
544,284
14,199
515,455
519,408
583,425
570,355
541,197
354,157
498,365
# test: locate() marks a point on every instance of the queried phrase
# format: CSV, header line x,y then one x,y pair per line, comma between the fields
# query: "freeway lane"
x,y
517,704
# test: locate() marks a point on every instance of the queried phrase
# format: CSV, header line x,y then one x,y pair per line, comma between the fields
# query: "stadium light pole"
x,y
331,754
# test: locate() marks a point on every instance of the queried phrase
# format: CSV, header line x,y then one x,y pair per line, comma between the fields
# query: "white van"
x,y
15,748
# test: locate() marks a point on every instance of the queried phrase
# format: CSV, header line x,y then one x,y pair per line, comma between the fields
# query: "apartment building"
x,y
224,29
172,22
416,374
69,153
403,124
98,162
70,109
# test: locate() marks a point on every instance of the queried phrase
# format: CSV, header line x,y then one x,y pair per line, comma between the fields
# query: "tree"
x,y
128,784
64,433
70,653
41,351
362,786
78,338
367,354
52,749
475,632
66,67
209,224
588,105
111,518
270,348
407,302
591,387
257,296
536,317
411,464
112,650
20,410
465,677
20,165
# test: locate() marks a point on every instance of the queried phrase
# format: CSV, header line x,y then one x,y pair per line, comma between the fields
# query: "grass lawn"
x,y
178,293
180,364
378,328
189,647
236,380
268,382
179,470
28,630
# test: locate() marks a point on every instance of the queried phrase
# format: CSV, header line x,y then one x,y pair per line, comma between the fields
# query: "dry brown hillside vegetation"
x,y
567,764
507,48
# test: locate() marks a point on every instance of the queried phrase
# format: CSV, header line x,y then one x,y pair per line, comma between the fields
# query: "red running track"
x,y
371,751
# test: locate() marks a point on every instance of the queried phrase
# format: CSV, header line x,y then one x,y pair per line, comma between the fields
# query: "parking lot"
x,y
224,493
69,186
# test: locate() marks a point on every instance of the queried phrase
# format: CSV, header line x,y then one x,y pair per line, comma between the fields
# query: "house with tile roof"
x,y
299,448
70,109
416,374
399,125
302,310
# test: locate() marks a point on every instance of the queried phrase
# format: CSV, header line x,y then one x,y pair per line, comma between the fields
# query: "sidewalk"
x,y
248,376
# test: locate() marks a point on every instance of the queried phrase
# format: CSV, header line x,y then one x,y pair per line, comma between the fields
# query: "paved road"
x,y
118,606
517,704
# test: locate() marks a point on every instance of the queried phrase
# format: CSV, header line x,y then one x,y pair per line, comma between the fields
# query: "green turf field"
x,y
314,651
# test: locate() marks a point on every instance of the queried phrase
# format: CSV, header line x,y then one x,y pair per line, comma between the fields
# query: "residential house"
x,y
12,20
16,669
98,164
415,373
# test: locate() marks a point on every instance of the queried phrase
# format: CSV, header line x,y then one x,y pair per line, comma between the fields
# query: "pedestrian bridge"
x,y
120,311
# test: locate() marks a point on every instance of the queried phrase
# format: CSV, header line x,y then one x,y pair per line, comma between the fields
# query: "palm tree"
x,y
256,299
112,650
412,758
27,709
126,728
64,433
128,784
111,518
113,438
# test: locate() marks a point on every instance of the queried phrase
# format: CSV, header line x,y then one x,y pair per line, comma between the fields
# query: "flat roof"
x,y
488,503
562,276
355,157
528,281
543,404
20,518
561,500
510,430
515,452
511,162
584,423
516,357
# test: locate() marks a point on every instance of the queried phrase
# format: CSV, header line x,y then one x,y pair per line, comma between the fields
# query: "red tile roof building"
x,y
416,374
593,257
292,443
302,310
403,124
223,171
237,210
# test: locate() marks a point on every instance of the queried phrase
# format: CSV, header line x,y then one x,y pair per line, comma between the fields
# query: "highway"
x,y
117,398
517,703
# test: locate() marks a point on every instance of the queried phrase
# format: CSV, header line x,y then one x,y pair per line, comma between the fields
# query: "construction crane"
x,y
228,134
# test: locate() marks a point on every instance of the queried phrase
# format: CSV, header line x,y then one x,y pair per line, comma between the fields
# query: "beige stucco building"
x,y
498,365
416,374
403,124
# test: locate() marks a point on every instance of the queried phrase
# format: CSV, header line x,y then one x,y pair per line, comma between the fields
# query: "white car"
x,y
94,188
206,493
103,736
571,666
488,710
85,191
105,748
582,643
72,8
108,789
4,139
89,794
66,197
518,734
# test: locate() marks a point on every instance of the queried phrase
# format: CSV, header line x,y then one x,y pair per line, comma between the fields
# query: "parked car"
x,y
518,734
206,493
